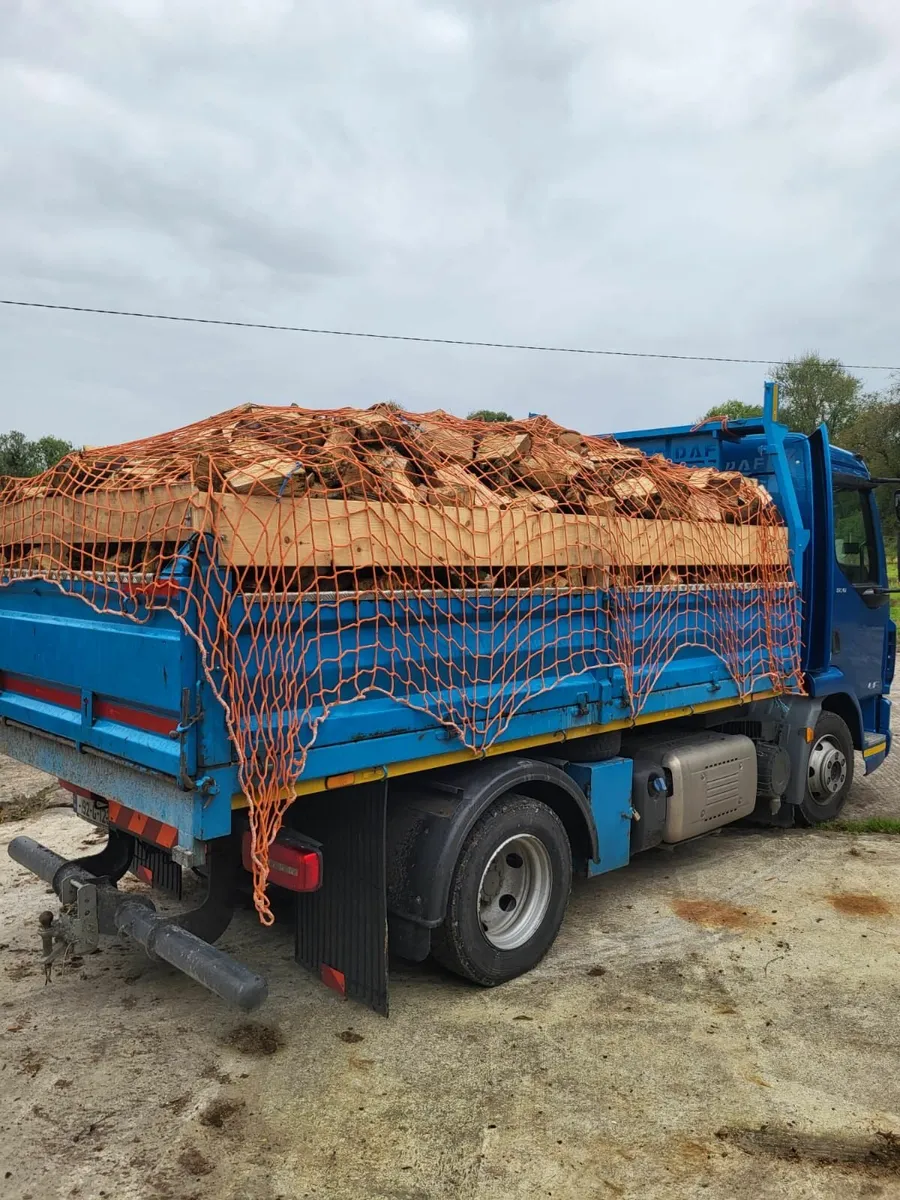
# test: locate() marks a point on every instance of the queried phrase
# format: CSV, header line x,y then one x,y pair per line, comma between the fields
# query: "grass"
x,y
869,825
892,575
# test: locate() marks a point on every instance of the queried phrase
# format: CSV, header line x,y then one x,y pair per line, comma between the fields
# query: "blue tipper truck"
x,y
398,839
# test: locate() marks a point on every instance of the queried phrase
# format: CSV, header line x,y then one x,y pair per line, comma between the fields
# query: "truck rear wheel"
x,y
508,892
829,773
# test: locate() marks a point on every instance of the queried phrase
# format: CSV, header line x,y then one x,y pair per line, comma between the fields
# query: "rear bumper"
x,y
100,909
198,816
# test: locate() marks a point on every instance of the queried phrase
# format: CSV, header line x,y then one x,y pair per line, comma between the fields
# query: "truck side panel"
x,y
100,680
381,685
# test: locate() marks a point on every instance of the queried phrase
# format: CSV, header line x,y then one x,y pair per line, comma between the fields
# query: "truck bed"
x,y
116,700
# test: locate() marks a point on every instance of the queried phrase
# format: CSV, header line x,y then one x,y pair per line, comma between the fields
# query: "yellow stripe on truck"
x,y
879,749
307,787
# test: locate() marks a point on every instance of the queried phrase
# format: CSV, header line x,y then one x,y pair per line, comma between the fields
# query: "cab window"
x,y
855,545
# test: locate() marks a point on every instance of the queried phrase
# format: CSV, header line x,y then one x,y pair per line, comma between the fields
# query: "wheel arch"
x,y
845,706
428,823
573,809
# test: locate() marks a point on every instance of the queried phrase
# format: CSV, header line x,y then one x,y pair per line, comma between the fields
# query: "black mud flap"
x,y
342,928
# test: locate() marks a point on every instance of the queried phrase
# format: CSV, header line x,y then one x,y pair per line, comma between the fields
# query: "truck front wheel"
x,y
829,772
508,892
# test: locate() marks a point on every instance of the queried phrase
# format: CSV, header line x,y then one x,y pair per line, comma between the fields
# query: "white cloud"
x,y
692,178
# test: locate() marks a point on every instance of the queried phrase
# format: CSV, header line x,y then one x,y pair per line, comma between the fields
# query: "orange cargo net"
x,y
495,561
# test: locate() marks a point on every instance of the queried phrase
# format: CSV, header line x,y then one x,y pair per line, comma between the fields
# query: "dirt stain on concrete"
x,y
254,1038
857,904
692,1153
30,1063
876,1154
716,914
219,1112
192,1161
19,971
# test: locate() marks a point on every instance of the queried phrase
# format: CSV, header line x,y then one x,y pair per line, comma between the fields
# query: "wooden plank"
x,y
694,544
357,534
151,514
256,531
303,531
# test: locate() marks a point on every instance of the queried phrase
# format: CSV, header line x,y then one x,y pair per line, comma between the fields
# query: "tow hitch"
x,y
69,933
92,906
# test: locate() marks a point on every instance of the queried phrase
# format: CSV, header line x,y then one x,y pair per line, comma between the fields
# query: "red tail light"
x,y
293,863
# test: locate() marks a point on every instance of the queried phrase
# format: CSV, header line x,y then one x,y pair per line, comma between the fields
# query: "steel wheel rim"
x,y
514,893
827,772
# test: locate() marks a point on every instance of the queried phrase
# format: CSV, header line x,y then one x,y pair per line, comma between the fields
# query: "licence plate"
x,y
95,811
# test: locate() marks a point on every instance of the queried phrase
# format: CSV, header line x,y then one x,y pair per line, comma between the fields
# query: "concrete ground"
x,y
718,1020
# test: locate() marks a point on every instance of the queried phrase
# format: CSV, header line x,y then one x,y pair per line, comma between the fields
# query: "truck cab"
x,y
856,643
828,499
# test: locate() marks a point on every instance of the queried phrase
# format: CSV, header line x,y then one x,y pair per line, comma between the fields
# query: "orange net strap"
x,y
458,567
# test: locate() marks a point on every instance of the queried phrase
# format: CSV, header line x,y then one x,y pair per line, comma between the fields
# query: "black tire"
x,y
830,766
461,943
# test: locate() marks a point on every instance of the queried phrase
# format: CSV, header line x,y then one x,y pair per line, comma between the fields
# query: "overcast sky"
x,y
699,177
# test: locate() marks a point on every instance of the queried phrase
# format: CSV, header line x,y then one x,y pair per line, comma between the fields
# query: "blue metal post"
x,y
798,536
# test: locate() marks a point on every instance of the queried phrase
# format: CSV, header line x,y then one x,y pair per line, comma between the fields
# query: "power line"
x,y
406,337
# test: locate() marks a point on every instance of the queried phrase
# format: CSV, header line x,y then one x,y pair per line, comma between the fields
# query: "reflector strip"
x,y
109,710
104,710
334,979
142,826
64,697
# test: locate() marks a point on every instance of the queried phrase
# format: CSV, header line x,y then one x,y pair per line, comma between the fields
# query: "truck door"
x,y
861,602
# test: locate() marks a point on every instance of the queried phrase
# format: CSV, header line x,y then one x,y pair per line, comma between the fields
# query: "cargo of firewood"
x,y
384,490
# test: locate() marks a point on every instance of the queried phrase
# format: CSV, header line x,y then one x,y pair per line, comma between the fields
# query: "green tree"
x,y
875,434
489,414
814,389
51,450
735,410
21,456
